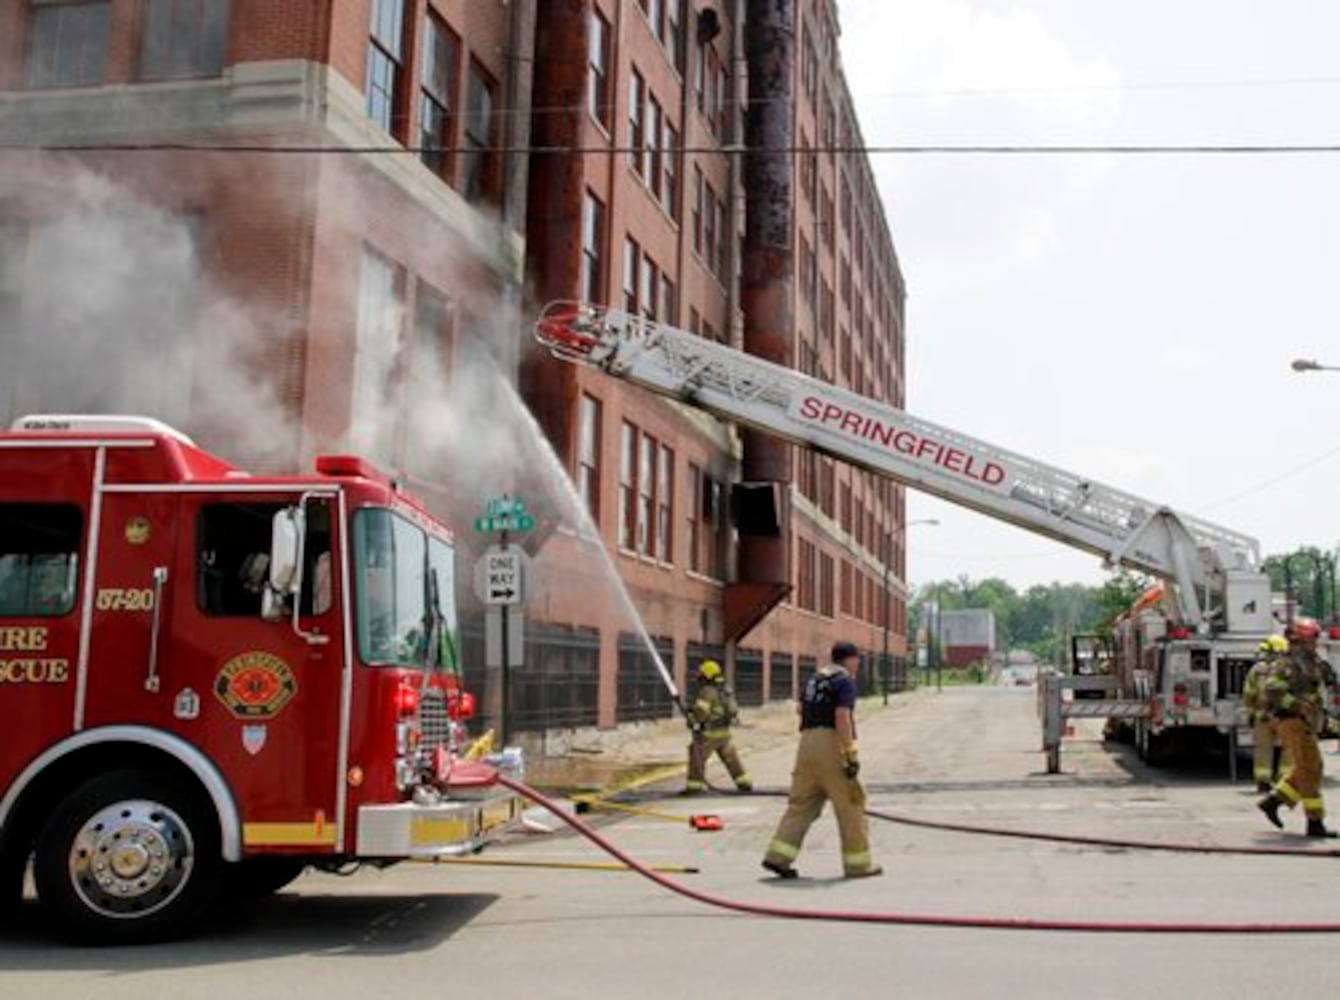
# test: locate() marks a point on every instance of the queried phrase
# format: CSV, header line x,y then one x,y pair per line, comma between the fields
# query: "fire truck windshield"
x,y
405,589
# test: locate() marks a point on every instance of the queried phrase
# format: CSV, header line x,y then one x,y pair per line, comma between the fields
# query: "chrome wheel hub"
x,y
131,858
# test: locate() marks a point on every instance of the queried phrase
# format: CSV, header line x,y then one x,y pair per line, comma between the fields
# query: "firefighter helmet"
x,y
1304,628
710,671
1274,644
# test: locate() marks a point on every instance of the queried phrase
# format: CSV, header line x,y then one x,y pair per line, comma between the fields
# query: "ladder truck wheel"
x,y
130,856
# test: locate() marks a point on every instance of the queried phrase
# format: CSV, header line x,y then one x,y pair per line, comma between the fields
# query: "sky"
x,y
1131,319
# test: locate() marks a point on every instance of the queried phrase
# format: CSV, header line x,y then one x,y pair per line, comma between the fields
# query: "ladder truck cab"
x,y
211,680
1215,601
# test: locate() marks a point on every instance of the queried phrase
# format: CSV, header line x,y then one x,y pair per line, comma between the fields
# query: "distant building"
x,y
967,636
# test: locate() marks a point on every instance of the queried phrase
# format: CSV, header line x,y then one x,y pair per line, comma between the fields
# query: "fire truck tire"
x,y
12,868
257,878
130,856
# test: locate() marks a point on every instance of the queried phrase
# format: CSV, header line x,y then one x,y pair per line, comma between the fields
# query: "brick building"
x,y
350,284
336,274
659,220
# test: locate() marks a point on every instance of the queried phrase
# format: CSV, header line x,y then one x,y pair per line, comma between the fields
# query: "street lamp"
x,y
888,595
1305,365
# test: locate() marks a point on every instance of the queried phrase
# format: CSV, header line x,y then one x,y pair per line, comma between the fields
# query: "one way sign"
x,y
499,576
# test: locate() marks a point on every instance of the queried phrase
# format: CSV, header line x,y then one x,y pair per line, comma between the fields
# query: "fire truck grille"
x,y
433,721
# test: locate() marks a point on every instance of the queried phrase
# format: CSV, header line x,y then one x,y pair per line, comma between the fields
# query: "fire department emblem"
x,y
138,530
255,685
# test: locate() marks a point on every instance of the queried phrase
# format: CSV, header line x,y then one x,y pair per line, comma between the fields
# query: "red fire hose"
x,y
1108,843
910,919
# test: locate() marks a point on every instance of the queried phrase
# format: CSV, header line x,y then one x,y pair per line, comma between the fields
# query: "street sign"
x,y
500,576
504,514
504,522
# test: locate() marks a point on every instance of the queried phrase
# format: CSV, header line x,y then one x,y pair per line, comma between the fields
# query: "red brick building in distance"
x,y
339,279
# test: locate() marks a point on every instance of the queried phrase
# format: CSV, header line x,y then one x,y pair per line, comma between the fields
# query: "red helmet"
x,y
1304,628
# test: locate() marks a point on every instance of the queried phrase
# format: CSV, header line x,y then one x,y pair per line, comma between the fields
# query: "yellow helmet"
x,y
710,670
1274,644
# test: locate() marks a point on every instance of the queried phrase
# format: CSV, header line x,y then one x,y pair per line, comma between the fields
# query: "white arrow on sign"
x,y
500,576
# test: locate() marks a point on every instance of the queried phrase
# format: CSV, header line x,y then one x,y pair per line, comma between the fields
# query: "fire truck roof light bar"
x,y
96,423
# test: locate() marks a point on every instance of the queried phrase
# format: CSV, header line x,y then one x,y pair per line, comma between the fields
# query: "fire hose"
x,y
1107,843
907,919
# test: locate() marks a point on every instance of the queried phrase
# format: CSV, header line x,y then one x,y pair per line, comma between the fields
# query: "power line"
x,y
976,149
1274,480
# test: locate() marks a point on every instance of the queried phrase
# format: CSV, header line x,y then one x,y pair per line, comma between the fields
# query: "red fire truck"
x,y
210,680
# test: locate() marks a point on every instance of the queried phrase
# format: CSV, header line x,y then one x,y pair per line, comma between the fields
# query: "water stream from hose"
x,y
576,510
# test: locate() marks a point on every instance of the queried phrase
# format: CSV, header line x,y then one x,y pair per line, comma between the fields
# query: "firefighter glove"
x,y
851,763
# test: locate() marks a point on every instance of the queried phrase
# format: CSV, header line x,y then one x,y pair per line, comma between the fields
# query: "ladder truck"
x,y
1216,606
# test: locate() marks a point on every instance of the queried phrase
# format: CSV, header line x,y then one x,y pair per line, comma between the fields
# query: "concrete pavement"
x,y
968,755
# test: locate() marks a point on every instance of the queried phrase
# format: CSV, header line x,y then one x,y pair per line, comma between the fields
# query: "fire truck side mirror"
x,y
286,538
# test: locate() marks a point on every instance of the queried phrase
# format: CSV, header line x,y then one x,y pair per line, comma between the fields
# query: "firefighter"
x,y
1265,729
710,717
826,770
1294,694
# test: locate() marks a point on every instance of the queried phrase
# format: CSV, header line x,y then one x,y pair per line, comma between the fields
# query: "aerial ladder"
x,y
1215,591
1198,558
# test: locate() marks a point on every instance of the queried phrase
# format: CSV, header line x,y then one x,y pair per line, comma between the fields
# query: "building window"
x,y
648,288
825,585
655,10
381,309
592,277
588,454
710,227
637,97
674,32
654,124
598,61
670,183
720,256
432,350
805,595
479,167
718,533
628,437
183,38
632,258
695,518
669,312
39,559
385,60
700,79
646,496
665,506
435,100
68,44
698,196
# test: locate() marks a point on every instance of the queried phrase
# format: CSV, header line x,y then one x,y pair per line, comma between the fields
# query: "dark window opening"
x,y
183,38
68,44
233,558
39,558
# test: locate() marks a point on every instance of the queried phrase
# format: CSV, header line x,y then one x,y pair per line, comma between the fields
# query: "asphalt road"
x,y
967,755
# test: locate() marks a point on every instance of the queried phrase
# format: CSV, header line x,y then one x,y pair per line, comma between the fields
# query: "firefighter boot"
x,y
781,870
1316,828
1270,805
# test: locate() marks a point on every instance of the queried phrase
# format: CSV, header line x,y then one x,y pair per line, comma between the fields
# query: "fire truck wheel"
x,y
131,856
12,867
257,878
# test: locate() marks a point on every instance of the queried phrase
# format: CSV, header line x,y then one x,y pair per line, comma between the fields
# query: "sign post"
x,y
500,580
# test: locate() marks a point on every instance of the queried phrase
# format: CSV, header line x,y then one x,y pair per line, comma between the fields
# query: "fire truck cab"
x,y
211,680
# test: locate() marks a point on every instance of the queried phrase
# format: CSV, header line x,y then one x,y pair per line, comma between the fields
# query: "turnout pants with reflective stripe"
x,y
1302,779
700,751
1265,736
818,778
